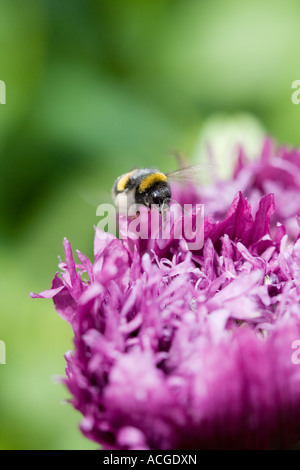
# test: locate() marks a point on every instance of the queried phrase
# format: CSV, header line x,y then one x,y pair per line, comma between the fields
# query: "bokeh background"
x,y
94,88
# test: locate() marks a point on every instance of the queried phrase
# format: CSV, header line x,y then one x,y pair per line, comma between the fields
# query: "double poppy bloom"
x,y
177,348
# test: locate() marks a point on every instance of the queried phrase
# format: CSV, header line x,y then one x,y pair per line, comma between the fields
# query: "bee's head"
x,y
160,194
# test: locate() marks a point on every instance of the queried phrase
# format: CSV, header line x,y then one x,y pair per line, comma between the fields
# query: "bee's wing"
x,y
202,173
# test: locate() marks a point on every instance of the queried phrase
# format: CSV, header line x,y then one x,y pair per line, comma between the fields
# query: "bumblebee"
x,y
149,186
145,186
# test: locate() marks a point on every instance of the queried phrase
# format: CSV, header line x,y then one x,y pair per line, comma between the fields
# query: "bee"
x,y
148,187
144,186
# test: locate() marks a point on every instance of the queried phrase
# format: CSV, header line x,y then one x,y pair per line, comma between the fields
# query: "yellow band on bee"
x,y
151,179
123,181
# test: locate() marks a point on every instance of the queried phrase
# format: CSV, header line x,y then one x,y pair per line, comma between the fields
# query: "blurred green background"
x,y
94,88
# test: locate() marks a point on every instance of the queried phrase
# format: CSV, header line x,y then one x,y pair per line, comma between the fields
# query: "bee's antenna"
x,y
169,199
180,158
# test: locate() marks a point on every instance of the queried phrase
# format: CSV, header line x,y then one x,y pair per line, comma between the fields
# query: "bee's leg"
x,y
134,211
138,212
164,210
136,215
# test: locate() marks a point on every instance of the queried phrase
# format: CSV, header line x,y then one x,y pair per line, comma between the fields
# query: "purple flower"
x,y
192,349
276,171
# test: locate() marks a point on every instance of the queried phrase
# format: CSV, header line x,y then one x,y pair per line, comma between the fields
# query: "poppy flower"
x,y
178,348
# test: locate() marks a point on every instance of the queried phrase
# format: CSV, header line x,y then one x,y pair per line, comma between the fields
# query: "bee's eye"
x,y
156,198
